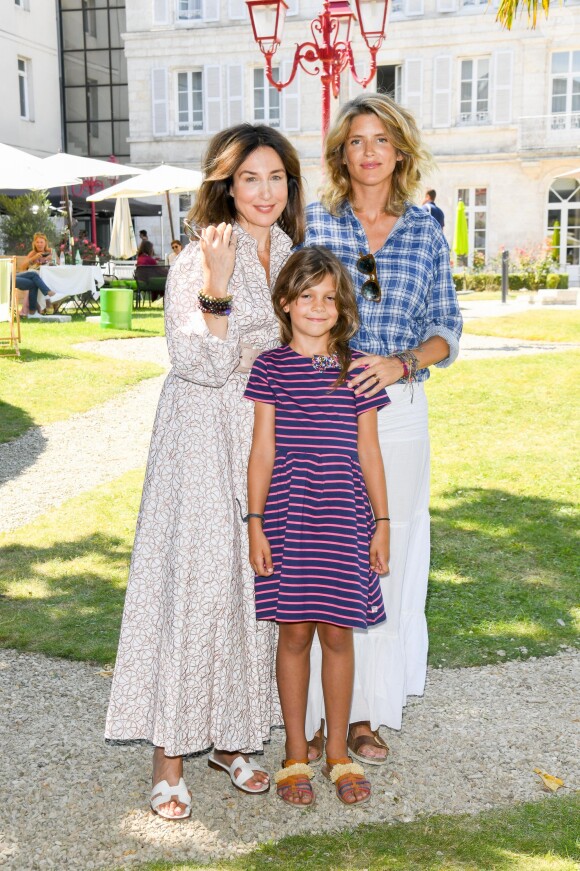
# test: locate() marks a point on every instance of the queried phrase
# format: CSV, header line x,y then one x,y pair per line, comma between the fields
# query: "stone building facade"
x,y
500,110
29,72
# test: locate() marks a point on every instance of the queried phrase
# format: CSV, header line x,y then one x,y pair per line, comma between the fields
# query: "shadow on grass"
x,y
64,600
16,458
538,835
29,356
502,577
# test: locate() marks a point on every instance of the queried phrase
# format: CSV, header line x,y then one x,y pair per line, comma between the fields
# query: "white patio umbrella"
x,y
22,171
89,169
164,179
122,242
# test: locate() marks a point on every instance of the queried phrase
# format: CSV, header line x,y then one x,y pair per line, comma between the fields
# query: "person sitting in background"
x,y
176,249
145,254
28,277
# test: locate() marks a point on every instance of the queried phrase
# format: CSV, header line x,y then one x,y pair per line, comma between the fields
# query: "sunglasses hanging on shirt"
x,y
371,288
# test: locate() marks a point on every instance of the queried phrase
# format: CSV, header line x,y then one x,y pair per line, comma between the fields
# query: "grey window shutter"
x,y
290,99
211,10
413,87
235,94
502,78
212,86
159,102
160,11
237,10
442,91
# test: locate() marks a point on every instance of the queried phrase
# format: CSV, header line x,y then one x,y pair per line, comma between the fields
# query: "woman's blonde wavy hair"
x,y
403,134
304,269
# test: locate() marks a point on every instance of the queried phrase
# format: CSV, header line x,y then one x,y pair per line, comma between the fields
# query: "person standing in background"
x,y
434,211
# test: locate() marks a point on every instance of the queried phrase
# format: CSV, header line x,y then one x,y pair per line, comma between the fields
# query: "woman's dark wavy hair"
x,y
304,269
225,154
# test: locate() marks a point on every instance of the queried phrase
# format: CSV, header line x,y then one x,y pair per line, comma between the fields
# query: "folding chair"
x,y
9,314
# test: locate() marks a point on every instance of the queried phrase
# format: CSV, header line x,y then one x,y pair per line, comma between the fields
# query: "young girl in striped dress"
x,y
316,547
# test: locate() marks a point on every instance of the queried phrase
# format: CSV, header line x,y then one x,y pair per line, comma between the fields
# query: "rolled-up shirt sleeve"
x,y
443,314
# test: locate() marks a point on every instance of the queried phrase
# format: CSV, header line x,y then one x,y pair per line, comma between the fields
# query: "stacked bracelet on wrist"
x,y
214,305
410,365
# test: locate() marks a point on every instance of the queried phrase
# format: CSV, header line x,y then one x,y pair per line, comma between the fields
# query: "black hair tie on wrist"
x,y
246,517
382,518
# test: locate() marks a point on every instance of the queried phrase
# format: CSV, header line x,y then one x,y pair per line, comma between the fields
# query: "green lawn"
x,y
540,836
539,325
52,380
504,571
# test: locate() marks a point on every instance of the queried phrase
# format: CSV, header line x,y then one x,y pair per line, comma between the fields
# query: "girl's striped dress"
x,y
318,518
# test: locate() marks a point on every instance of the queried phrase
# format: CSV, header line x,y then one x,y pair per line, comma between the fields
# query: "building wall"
x,y
510,150
29,32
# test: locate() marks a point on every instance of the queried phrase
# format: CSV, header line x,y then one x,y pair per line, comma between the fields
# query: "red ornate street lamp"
x,y
330,52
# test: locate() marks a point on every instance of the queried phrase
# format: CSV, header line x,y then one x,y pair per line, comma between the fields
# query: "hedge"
x,y
480,281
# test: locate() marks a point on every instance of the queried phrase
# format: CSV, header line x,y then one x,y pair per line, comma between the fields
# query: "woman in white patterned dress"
x,y
194,668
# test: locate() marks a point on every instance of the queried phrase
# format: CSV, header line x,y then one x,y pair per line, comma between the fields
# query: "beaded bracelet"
x,y
213,305
247,517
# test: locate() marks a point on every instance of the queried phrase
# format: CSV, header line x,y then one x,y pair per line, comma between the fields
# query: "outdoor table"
x,y
72,282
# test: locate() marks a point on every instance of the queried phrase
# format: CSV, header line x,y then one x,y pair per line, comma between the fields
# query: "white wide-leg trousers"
x,y
391,658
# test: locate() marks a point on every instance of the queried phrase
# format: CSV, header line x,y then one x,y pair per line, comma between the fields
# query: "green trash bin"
x,y
116,308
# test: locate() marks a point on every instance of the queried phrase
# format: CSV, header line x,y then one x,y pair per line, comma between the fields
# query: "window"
x,y
189,101
475,2
565,106
474,94
93,107
22,4
475,200
389,81
89,17
189,10
564,221
266,98
24,88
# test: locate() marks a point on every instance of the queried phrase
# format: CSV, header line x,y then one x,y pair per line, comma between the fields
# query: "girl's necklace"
x,y
322,362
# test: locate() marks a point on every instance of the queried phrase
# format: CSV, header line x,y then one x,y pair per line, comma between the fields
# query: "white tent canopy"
x,y
22,171
164,179
88,167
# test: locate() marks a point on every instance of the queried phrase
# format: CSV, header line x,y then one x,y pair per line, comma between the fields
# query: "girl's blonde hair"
x,y
304,269
402,133
225,154
39,236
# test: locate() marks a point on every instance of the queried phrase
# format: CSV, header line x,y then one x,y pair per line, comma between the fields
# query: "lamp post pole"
x,y
329,52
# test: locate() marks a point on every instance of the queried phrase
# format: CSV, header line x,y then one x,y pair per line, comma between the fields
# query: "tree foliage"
x,y
24,216
508,9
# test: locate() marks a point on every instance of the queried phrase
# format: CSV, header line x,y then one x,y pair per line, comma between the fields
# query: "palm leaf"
x,y
508,8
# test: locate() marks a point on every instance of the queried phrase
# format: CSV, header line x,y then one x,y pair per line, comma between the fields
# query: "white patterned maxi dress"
x,y
194,668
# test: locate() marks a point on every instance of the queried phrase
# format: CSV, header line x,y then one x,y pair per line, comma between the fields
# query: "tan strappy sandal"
x,y
293,779
347,776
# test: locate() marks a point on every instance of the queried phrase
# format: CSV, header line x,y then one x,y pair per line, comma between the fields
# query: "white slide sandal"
x,y
247,770
162,793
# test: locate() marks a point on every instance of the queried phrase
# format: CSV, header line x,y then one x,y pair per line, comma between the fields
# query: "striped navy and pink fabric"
x,y
318,518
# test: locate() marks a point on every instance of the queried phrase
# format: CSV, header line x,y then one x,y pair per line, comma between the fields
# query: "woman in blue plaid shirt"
x,y
398,258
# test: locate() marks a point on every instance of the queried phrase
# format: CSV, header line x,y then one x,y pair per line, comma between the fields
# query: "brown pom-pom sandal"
x,y
347,776
293,779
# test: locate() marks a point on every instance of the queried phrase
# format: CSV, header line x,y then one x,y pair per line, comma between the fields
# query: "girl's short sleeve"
x,y
379,400
362,404
258,388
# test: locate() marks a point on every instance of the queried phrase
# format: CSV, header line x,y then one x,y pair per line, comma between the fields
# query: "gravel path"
x,y
471,744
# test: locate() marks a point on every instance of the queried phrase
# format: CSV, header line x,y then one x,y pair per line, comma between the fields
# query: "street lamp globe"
x,y
267,19
341,12
372,17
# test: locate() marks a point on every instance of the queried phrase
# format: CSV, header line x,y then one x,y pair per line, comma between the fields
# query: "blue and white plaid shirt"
x,y
418,295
